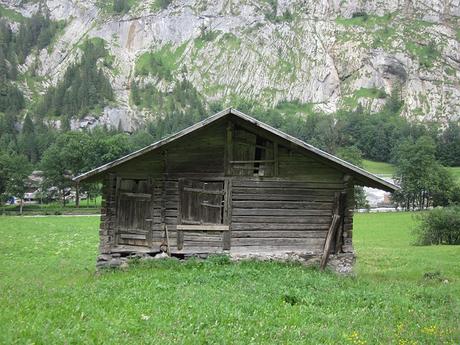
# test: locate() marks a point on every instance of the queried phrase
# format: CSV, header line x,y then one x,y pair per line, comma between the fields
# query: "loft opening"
x,y
253,155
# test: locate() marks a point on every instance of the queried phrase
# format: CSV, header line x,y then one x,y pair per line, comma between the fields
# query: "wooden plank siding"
x,y
283,214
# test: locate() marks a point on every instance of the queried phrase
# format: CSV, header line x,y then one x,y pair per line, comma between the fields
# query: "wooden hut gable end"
x,y
229,183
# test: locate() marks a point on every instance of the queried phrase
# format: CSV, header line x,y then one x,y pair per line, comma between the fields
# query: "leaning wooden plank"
x,y
328,243
203,227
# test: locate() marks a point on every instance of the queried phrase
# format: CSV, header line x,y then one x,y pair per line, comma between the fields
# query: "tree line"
x,y
83,88
34,32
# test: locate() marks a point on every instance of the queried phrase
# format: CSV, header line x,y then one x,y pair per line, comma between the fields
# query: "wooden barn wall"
x,y
290,212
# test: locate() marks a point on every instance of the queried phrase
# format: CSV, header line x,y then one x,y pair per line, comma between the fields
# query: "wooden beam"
x,y
276,158
180,234
229,148
203,191
226,245
348,183
253,161
186,227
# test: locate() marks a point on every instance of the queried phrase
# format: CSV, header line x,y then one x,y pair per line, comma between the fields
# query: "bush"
x,y
360,14
439,226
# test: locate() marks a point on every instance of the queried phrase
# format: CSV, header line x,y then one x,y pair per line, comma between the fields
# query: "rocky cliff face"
x,y
326,54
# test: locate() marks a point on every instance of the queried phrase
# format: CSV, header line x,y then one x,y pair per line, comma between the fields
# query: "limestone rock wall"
x,y
331,54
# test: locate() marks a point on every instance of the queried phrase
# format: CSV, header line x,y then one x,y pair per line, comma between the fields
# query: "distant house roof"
x,y
364,177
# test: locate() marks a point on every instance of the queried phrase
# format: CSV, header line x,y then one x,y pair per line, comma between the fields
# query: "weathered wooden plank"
x,y
187,227
277,212
279,226
281,197
307,242
226,241
253,161
133,236
200,238
329,238
281,219
203,191
307,188
217,175
132,231
136,195
280,233
276,183
274,204
167,212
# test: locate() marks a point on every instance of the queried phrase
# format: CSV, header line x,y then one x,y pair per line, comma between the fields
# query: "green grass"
x,y
382,168
107,6
426,54
378,167
374,93
455,171
10,14
54,208
50,294
161,63
367,21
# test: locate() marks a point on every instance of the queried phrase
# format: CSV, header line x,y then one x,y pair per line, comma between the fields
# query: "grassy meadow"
x,y
388,169
50,294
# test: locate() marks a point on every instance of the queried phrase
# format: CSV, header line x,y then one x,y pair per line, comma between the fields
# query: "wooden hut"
x,y
229,184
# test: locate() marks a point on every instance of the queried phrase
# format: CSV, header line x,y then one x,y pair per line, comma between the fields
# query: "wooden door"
x,y
134,213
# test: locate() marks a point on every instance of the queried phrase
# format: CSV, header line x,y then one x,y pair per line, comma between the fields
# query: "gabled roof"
x,y
366,178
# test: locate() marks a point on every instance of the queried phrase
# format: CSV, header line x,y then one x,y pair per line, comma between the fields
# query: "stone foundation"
x,y
340,263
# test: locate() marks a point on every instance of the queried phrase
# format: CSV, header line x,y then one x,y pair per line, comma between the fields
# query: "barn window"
x,y
202,202
253,155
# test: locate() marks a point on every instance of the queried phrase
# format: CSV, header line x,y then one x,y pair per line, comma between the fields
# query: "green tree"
x,y
448,146
28,140
424,181
18,170
3,176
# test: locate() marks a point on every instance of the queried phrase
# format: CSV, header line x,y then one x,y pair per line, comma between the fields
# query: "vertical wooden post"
x,y
227,236
77,195
163,191
347,182
229,149
276,159
180,233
